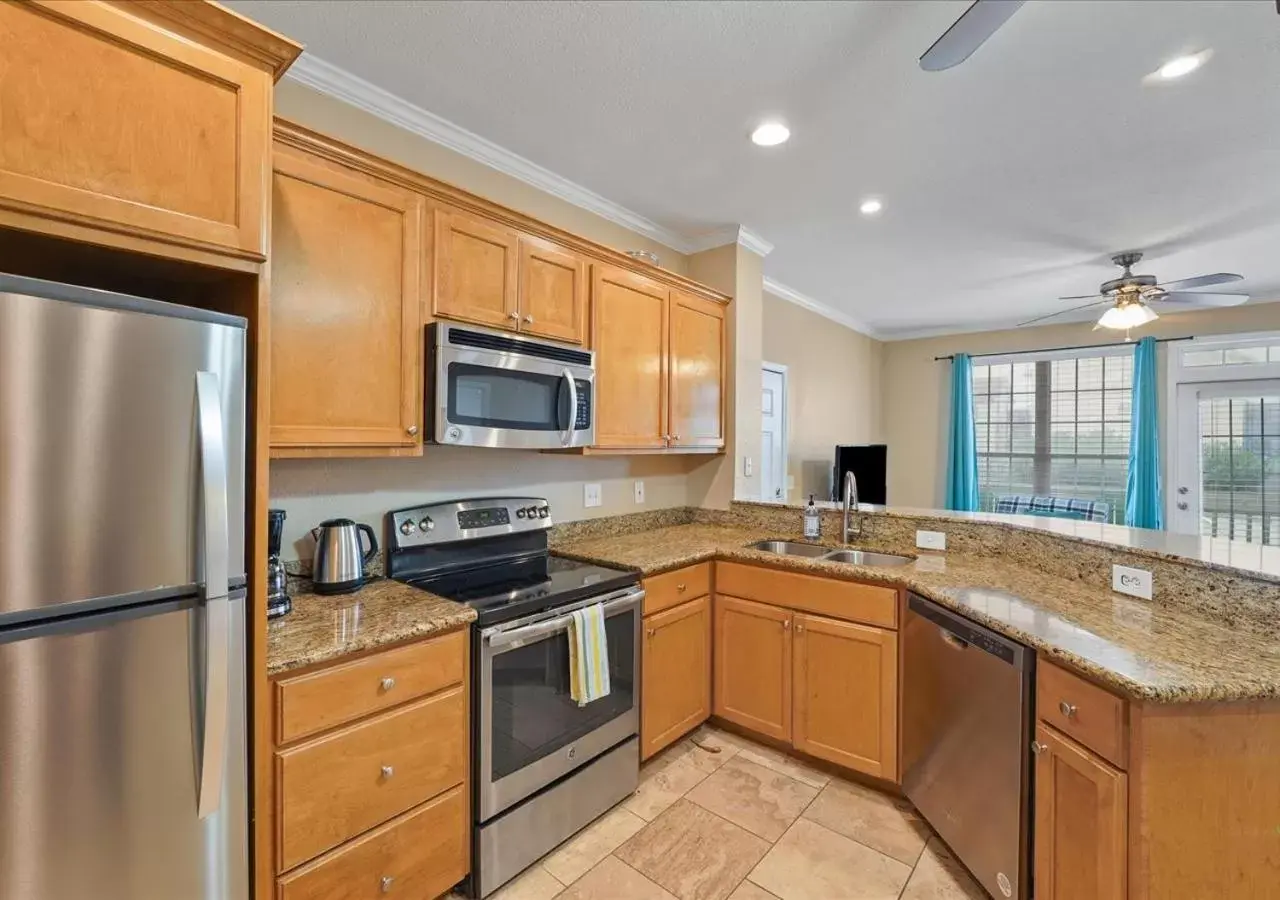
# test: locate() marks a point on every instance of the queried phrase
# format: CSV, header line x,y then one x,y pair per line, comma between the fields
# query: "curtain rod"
x,y
1063,349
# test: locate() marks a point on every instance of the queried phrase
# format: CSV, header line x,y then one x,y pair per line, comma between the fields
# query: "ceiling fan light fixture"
x,y
1127,315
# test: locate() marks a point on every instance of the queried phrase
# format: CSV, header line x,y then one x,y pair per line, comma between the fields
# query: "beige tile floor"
x,y
747,823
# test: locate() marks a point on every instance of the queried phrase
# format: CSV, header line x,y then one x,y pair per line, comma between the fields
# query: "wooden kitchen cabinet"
x,y
676,694
845,694
142,126
346,310
476,263
553,291
1080,822
697,364
752,659
629,335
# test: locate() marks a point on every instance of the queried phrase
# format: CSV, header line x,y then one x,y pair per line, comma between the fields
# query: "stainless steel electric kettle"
x,y
340,557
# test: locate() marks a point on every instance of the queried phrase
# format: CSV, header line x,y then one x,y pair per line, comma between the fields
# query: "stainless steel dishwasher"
x,y
966,742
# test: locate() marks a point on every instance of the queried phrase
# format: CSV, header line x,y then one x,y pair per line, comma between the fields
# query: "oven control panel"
x,y
458,520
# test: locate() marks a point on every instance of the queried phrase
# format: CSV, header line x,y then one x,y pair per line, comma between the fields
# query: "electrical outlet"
x,y
639,491
931,540
590,495
1134,582
748,466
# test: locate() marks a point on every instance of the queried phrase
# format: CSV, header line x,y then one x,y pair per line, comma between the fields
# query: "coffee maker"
x,y
278,602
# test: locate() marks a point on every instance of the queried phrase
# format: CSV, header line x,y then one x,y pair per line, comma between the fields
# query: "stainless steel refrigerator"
x,y
123,762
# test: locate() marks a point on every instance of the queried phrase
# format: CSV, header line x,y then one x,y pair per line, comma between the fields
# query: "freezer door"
x,y
102,735
100,468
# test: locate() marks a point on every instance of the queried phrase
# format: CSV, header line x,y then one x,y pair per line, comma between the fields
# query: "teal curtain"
x,y
1143,507
962,449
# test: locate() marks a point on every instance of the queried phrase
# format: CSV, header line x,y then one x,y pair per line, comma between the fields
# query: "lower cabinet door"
x,y
845,694
753,666
1081,822
422,853
677,674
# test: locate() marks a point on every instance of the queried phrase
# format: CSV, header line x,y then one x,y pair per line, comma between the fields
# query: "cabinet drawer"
x,y
312,703
422,853
342,784
1093,716
671,588
847,600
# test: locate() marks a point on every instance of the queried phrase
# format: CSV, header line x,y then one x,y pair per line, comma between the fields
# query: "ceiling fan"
x,y
1131,298
968,33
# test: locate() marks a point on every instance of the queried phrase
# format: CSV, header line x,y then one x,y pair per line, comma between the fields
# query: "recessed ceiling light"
x,y
870,207
1181,65
770,134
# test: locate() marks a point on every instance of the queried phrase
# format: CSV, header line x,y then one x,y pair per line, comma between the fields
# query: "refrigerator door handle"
x,y
217,611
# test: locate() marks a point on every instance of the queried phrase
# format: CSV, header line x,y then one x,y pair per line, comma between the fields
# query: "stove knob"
x,y
543,512
520,513
426,524
407,527
531,512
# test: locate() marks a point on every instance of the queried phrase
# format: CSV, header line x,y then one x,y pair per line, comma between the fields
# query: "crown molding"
x,y
741,235
327,78
791,295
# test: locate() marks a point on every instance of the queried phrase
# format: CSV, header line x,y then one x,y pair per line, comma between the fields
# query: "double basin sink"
x,y
813,551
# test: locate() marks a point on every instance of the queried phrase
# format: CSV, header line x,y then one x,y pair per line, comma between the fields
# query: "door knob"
x,y
1182,504
412,429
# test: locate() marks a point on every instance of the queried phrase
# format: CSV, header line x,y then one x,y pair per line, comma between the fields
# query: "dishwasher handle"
x,y
962,633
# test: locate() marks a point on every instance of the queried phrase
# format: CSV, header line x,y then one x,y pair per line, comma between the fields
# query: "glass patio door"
x,y
1227,483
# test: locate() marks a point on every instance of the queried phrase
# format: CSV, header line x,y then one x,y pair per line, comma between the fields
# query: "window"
x,y
1054,427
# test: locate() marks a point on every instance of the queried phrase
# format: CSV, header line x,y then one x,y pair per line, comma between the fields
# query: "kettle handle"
x,y
373,543
315,533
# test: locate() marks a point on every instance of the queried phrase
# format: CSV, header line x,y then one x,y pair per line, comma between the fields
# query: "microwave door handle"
x,y
567,437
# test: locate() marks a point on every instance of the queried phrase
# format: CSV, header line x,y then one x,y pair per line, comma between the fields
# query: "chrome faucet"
x,y
852,519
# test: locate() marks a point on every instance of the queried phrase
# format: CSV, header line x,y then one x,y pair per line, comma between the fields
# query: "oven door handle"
x,y
567,437
518,637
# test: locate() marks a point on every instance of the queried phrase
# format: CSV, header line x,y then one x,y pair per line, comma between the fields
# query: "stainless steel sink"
x,y
790,548
867,558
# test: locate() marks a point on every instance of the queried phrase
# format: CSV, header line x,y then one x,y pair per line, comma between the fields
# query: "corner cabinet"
x,y
145,126
346,311
661,359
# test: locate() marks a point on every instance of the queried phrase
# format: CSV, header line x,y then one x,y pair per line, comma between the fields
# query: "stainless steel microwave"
x,y
495,389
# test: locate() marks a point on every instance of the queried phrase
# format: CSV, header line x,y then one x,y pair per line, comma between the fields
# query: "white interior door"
x,y
773,425
1227,461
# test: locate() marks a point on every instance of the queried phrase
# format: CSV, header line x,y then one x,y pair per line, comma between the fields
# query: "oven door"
x,y
530,731
496,399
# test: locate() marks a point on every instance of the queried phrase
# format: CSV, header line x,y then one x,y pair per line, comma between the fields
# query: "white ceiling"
x,y
1007,181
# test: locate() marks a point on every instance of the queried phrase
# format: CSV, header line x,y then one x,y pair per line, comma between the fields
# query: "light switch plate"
x,y
590,495
1134,582
748,466
931,540
639,491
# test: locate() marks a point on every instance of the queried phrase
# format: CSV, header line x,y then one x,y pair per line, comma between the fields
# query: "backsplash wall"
x,y
310,490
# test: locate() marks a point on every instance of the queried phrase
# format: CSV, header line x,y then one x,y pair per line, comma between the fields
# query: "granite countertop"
x,y
1147,651
324,627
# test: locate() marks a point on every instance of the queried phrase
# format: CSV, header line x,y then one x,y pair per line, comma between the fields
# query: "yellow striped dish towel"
x,y
588,655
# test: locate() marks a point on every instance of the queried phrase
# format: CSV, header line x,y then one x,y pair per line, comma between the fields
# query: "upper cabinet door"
x,y
629,335
346,308
553,291
846,694
115,125
697,372
475,270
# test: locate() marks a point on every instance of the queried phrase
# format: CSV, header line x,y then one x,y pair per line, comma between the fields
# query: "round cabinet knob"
x,y
412,429
786,624
799,628
650,632
427,524
528,320
386,883
388,771
1067,709
388,683
680,588
675,437
1037,748
407,527
514,316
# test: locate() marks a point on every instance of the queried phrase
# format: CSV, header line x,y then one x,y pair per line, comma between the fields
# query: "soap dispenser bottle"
x,y
812,521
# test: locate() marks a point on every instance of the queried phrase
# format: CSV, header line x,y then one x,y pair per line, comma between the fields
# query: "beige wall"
x,y
916,416
312,490
833,390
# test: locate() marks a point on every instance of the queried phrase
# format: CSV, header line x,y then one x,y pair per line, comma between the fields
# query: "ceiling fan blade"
x,y
1063,312
968,33
1083,297
1195,298
1183,284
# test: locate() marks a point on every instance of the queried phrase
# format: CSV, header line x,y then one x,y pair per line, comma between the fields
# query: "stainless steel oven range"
x,y
495,389
542,766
